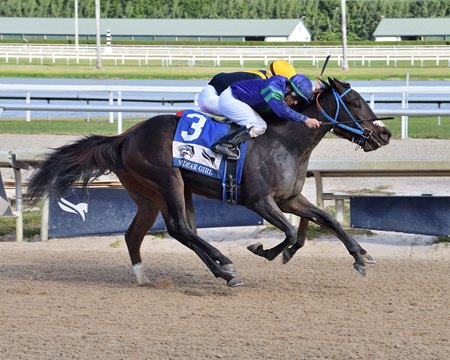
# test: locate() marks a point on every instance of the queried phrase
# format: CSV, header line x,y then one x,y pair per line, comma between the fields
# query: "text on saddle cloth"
x,y
195,134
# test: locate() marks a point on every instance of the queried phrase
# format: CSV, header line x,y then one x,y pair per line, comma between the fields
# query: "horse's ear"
x,y
332,83
324,84
340,85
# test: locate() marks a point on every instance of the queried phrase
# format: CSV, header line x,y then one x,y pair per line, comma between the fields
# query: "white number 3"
x,y
196,126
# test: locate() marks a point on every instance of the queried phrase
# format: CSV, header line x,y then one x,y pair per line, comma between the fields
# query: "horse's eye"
x,y
357,105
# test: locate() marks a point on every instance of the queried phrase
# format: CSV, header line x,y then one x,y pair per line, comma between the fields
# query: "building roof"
x,y
159,27
413,27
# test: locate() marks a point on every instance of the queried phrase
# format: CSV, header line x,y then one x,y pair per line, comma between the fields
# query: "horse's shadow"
x,y
112,273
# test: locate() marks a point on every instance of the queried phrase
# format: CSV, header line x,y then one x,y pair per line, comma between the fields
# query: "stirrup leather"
x,y
230,151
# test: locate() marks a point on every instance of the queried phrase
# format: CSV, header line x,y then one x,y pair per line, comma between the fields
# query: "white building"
x,y
287,30
413,29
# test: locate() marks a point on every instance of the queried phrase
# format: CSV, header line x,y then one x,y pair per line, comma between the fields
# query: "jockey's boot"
x,y
228,145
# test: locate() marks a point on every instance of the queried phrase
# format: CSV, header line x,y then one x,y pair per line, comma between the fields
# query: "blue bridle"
x,y
359,130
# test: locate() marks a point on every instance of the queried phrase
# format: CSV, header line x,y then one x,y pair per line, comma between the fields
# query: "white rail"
x,y
167,56
283,51
114,96
220,60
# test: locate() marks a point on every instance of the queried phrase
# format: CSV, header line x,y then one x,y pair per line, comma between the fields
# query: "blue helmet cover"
x,y
302,86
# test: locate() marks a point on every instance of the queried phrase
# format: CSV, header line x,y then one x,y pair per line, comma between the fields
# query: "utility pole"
x,y
76,25
97,29
344,36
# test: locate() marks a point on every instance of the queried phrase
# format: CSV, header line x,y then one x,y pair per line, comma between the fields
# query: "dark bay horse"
x,y
274,174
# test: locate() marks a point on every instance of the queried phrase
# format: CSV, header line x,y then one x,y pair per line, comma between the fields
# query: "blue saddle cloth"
x,y
196,133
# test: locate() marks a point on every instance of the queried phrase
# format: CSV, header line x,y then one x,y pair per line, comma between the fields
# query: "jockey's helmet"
x,y
301,86
283,68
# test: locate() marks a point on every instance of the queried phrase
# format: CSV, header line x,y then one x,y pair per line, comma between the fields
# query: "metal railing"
x,y
114,95
21,160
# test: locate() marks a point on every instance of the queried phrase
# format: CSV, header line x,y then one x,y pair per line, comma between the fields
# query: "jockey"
x,y
208,99
244,101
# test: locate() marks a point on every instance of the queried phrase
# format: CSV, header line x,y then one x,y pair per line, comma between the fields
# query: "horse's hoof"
x,y
361,270
229,269
235,282
286,257
142,280
369,259
255,248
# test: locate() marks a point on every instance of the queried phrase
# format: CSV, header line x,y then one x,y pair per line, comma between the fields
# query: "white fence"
x,y
218,56
114,95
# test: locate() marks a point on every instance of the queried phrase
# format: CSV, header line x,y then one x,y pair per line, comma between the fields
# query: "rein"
x,y
360,131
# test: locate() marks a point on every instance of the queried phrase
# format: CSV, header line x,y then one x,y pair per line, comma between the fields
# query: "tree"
x,y
322,17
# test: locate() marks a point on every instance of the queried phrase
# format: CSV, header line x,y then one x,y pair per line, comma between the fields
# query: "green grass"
x,y
64,126
378,190
204,70
115,244
443,239
314,231
422,128
31,225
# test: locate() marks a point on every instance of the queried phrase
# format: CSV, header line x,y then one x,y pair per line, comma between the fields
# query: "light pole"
x,y
344,36
76,25
98,37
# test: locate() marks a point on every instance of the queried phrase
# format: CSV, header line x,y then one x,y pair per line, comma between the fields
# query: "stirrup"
x,y
230,151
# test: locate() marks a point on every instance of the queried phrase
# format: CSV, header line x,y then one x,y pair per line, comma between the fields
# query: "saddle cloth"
x,y
196,133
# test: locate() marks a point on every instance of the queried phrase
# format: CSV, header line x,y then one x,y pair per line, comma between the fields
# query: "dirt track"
x,y
76,299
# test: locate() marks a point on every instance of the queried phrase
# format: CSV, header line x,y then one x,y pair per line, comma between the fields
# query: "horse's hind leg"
x,y
289,252
179,230
270,211
216,255
145,217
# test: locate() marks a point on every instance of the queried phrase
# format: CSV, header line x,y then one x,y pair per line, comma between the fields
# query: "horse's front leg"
x,y
302,207
270,211
178,214
214,253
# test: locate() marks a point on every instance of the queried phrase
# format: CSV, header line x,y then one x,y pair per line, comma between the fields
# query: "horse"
x,y
274,173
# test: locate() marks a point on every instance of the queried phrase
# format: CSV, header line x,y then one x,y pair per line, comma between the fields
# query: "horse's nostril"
x,y
386,135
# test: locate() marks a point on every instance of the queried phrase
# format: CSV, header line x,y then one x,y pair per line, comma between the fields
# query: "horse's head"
x,y
349,116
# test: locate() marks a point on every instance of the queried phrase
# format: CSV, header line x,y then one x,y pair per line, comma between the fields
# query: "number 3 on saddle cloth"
x,y
195,134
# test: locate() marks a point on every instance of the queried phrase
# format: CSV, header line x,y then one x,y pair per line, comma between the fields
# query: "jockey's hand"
x,y
312,123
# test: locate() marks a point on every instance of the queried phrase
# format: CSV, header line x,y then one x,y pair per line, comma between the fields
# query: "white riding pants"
x,y
241,113
208,100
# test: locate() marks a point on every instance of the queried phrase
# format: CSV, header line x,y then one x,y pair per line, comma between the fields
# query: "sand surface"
x,y
77,299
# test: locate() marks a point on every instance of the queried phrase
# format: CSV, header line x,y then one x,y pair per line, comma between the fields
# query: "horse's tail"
x,y
82,160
